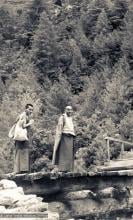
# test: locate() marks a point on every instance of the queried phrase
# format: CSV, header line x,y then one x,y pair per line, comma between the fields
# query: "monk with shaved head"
x,y
63,153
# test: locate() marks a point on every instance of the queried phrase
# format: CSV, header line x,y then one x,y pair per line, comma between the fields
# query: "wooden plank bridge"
x,y
107,192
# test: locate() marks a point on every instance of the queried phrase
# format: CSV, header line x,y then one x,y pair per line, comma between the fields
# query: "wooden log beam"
x,y
118,140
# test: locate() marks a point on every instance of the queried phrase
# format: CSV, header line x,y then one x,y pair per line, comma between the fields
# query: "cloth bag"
x,y
12,131
20,133
17,132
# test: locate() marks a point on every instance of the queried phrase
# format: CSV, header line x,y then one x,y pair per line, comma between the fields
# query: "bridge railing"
x,y
123,143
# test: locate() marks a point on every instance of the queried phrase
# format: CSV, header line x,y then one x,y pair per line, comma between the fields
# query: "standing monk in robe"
x,y
63,153
21,154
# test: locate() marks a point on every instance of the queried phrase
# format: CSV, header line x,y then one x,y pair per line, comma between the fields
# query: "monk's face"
x,y
69,111
29,110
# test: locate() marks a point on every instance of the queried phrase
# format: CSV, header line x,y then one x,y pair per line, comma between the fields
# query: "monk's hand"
x,y
31,121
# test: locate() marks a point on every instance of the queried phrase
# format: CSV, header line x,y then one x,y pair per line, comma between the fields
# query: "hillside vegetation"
x,y
55,53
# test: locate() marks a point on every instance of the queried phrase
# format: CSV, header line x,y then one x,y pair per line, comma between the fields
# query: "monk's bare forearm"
x,y
26,125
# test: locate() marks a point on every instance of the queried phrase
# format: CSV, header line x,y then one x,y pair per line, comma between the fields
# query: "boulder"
x,y
28,201
25,199
17,210
38,207
2,209
13,200
9,196
7,184
82,194
106,193
53,215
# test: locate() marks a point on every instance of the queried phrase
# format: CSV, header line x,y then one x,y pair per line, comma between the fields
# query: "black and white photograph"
x,y
66,101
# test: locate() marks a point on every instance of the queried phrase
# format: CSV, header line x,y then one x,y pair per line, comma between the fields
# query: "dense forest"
x,y
66,52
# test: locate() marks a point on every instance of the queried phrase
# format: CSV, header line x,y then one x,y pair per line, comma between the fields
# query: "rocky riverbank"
x,y
13,200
